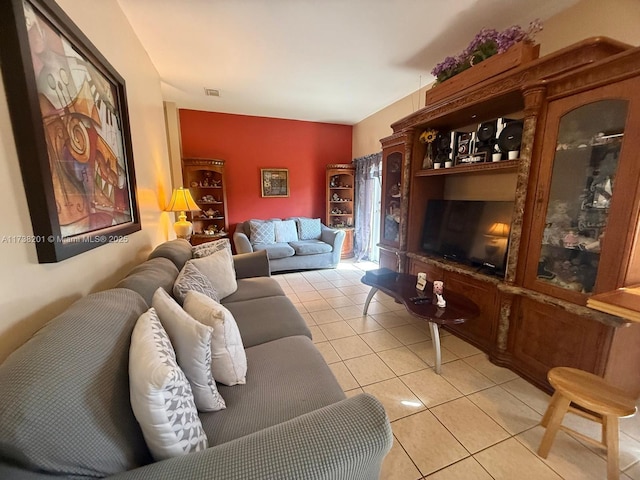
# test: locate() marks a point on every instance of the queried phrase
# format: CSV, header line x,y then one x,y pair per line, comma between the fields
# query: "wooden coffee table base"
x,y
401,287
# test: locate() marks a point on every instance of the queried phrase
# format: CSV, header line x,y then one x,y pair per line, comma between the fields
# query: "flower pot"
x,y
519,54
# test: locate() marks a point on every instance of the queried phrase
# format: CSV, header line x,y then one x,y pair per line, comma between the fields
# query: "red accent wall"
x,y
248,144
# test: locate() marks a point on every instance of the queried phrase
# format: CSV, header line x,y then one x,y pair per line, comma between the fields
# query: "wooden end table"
x,y
402,287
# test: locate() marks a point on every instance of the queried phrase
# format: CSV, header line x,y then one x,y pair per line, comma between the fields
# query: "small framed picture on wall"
x,y
274,182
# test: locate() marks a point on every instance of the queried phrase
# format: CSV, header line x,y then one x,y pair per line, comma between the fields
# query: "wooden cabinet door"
x,y
586,204
391,199
480,331
433,273
545,336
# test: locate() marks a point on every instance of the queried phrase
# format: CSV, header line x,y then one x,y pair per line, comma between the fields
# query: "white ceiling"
x,y
335,61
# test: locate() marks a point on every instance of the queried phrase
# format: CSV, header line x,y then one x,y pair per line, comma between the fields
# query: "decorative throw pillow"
x,y
229,358
286,231
262,232
206,249
192,343
160,393
218,268
190,278
309,228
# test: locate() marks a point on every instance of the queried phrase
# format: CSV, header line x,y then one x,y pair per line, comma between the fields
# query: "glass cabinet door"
x,y
588,144
391,198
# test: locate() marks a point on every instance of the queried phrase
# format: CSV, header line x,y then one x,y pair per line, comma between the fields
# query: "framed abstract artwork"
x,y
274,182
68,110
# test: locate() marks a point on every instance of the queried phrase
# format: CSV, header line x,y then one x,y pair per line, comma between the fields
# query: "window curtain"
x,y
367,206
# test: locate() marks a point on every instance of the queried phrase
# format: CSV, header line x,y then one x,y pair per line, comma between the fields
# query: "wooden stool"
x,y
595,394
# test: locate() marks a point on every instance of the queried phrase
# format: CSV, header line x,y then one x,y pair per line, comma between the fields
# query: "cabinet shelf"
x,y
478,168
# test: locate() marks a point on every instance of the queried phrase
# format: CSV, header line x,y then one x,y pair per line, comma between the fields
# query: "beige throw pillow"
x,y
229,360
218,268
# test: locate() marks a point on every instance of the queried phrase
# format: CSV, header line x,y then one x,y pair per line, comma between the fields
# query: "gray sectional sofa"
x,y
64,395
299,254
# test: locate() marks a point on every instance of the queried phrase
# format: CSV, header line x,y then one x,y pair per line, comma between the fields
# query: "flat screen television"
x,y
469,231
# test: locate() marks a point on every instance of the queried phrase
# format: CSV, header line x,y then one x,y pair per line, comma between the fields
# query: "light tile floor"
x,y
476,421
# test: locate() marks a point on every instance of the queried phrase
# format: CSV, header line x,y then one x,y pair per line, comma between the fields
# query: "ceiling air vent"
x,y
211,92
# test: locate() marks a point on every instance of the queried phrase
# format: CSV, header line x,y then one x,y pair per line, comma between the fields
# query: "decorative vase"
x,y
427,161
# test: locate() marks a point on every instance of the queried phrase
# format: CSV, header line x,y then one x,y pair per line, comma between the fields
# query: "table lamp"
x,y
182,201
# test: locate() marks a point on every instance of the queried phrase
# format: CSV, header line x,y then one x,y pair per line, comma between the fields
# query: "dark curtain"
x,y
367,206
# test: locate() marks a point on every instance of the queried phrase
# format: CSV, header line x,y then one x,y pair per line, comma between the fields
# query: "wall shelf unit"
x,y
340,203
205,179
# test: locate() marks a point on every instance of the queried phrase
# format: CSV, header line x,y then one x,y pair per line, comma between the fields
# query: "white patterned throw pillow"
x,y
286,231
309,228
219,270
190,278
161,396
207,248
229,360
262,231
192,343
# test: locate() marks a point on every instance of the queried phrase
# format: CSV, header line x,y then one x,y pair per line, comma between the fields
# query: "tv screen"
x,y
469,231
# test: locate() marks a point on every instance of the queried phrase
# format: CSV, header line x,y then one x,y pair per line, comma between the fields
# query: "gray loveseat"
x,y
297,254
64,395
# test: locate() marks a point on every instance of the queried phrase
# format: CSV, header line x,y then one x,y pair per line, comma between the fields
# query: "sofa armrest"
x,y
348,439
242,243
332,236
254,264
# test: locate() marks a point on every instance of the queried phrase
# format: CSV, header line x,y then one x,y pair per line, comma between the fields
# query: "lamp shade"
x,y
182,201
499,229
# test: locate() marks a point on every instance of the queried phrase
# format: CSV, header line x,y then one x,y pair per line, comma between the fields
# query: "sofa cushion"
x,y
64,401
191,341
178,251
264,319
310,247
161,396
275,250
286,378
255,287
229,361
309,228
262,231
191,278
207,248
147,277
286,231
218,268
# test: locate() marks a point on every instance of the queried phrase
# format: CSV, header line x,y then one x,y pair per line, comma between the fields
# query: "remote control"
x,y
420,300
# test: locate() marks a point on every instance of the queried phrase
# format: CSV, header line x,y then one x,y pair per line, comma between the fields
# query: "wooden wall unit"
x,y
340,203
529,323
205,179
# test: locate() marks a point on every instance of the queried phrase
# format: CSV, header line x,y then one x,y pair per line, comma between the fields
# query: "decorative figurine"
x,y
438,288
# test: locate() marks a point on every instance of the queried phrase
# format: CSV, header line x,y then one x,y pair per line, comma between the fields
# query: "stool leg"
x,y
610,423
560,407
552,405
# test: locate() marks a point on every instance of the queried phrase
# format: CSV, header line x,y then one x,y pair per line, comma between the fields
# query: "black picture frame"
x,y
69,114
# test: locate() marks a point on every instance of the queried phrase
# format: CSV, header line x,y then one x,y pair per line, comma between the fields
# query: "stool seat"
x,y
591,392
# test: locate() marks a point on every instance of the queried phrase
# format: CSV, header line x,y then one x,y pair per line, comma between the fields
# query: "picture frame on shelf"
x,y
69,113
274,182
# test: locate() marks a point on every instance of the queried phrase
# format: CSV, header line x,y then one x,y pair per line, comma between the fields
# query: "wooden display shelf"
x,y
476,168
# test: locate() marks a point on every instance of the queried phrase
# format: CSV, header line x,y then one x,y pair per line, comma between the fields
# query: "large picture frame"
x,y
70,121
274,182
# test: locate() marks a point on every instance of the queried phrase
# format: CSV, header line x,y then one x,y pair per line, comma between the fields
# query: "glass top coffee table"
x,y
402,287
